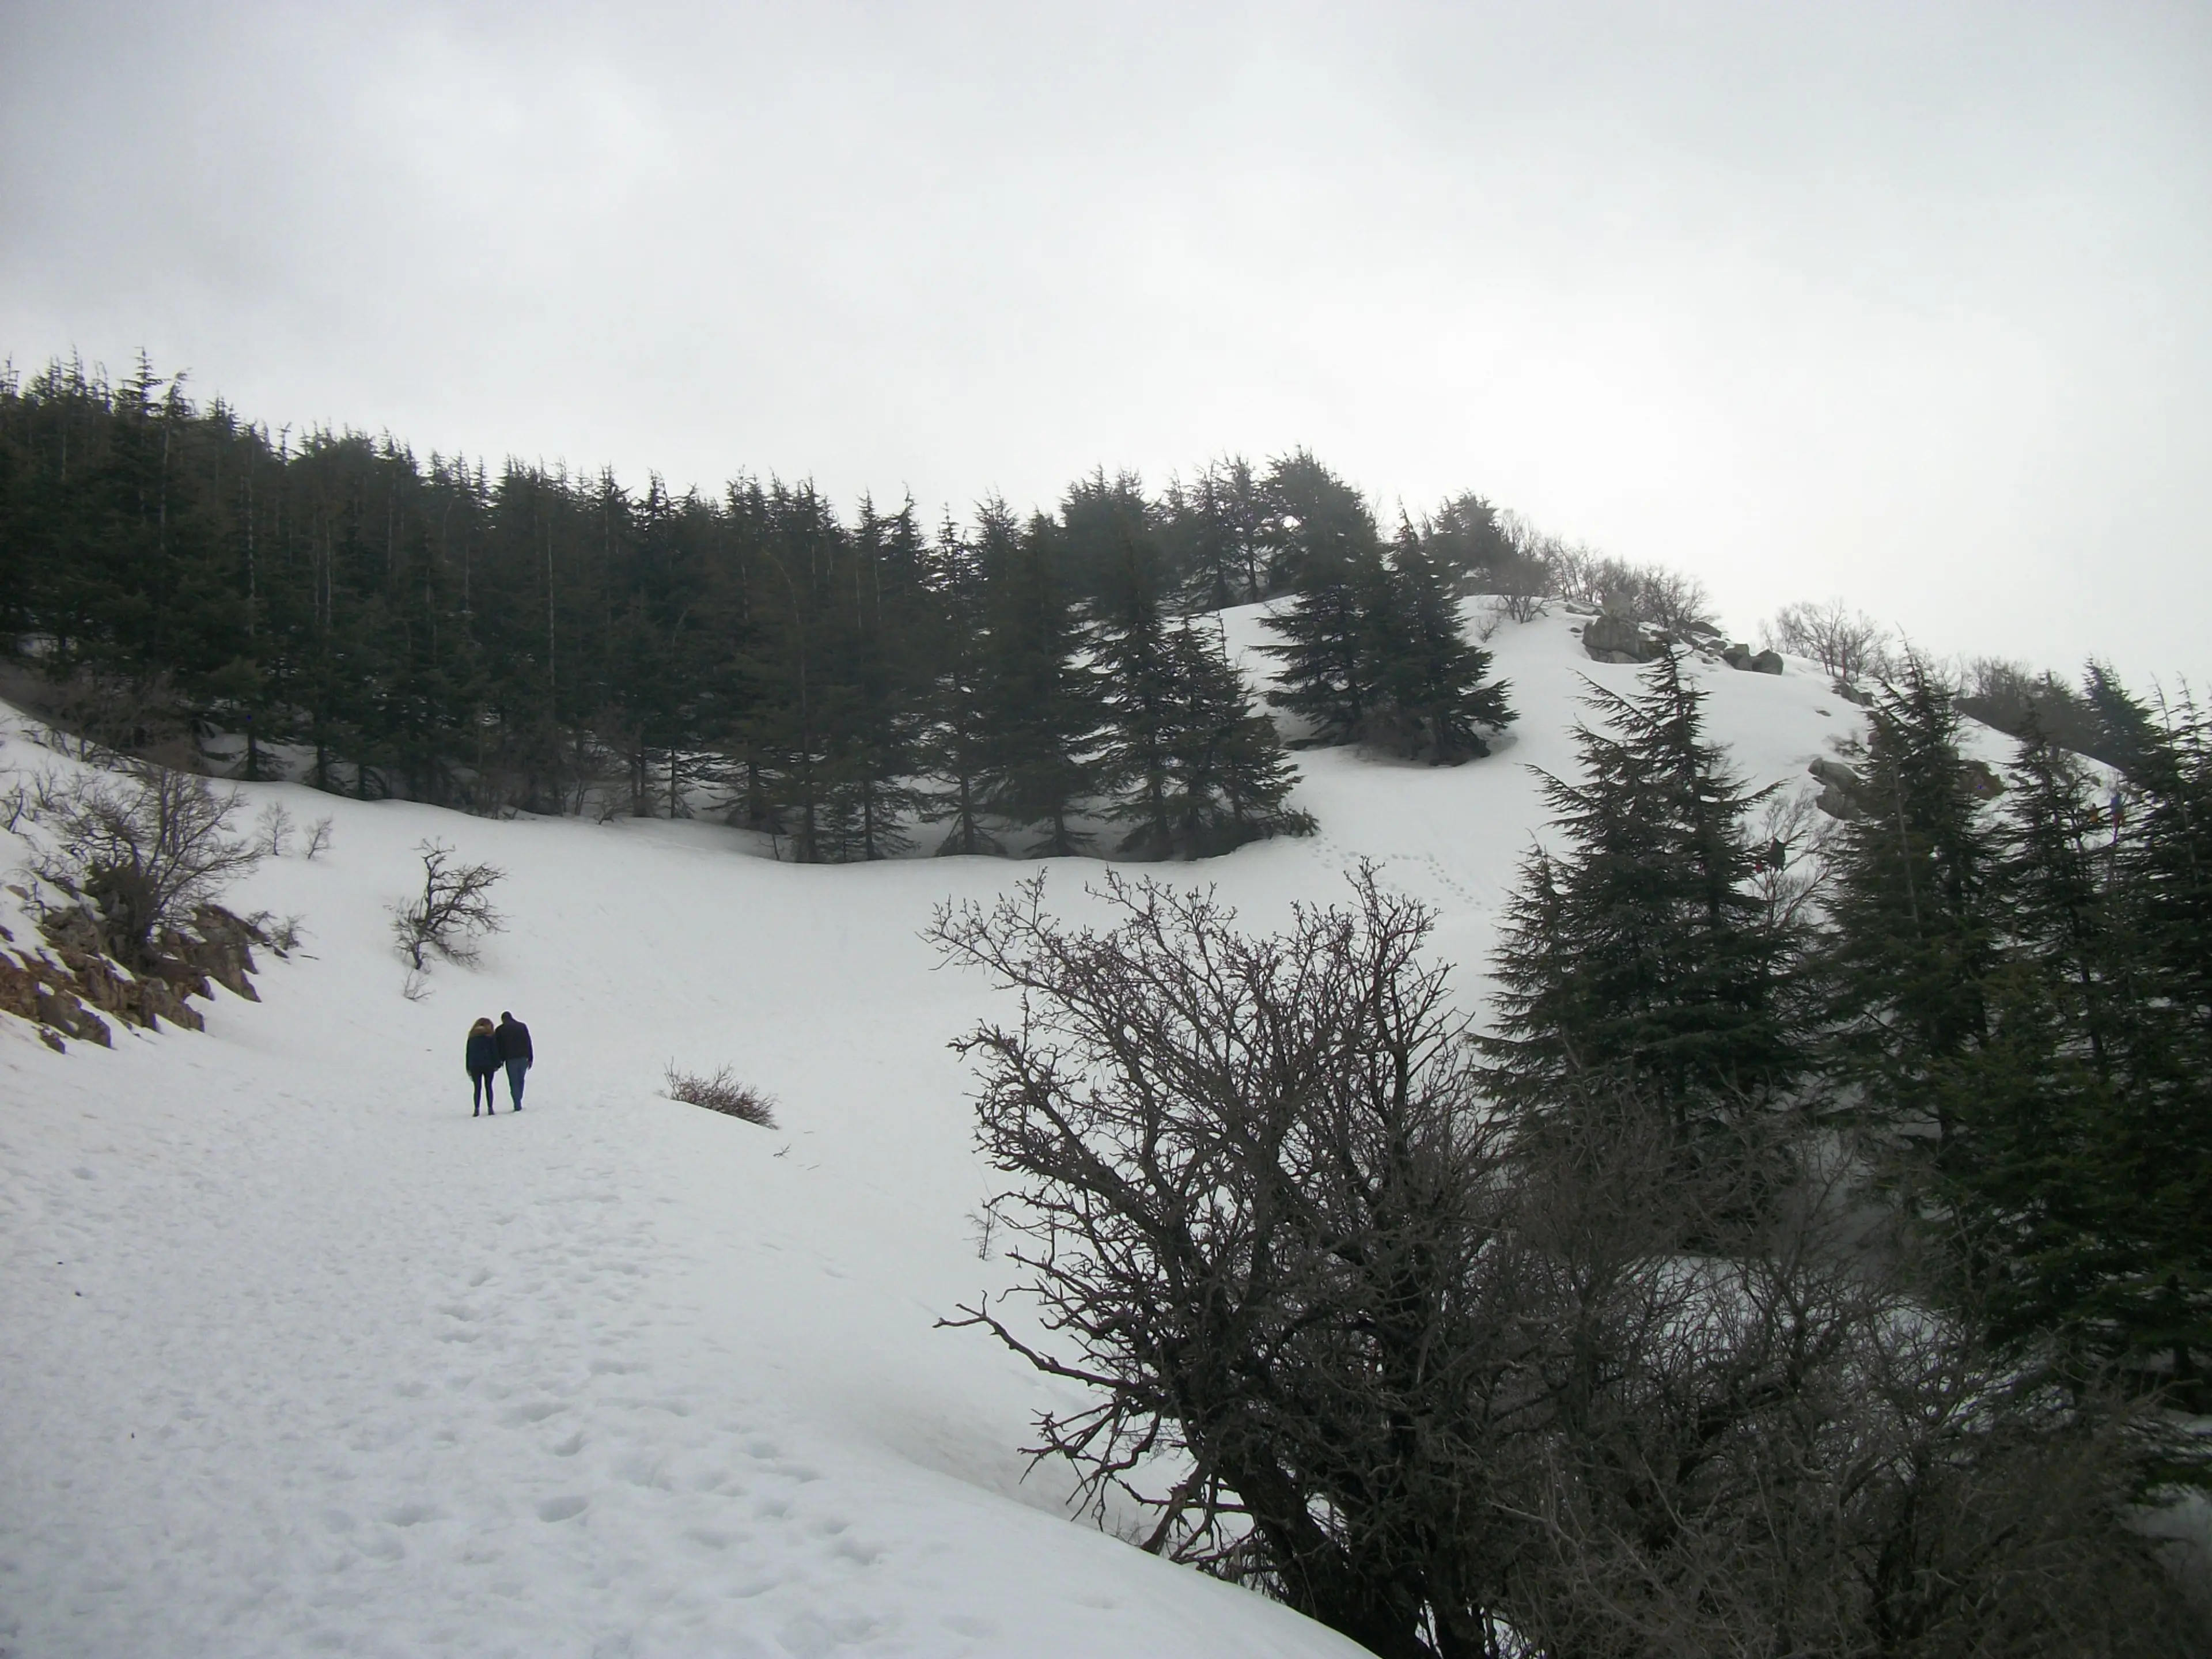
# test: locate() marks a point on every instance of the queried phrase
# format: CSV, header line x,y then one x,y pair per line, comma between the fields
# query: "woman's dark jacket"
x,y
484,1053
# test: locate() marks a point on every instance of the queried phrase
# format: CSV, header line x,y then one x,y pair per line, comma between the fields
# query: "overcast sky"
x,y
1906,303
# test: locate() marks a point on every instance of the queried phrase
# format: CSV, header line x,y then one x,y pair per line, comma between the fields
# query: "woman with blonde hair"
x,y
483,1066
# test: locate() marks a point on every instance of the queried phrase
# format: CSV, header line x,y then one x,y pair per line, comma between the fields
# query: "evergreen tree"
x,y
1642,963
1040,703
1331,659
954,747
1217,528
1430,679
1141,700
2163,951
1466,543
1230,779
1915,935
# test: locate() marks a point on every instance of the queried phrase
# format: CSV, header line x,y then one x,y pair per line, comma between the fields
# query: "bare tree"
x,y
1849,644
1521,584
451,913
1454,1387
272,829
1257,1202
142,848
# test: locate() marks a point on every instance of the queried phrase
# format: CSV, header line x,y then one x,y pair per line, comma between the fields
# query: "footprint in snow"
x,y
561,1509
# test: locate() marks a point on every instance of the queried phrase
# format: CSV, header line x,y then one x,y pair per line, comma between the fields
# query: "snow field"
x,y
298,1357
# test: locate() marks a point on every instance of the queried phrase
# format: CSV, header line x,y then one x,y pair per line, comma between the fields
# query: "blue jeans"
x,y
515,1071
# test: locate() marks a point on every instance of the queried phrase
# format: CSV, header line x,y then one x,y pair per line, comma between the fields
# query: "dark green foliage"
x,y
953,742
1913,906
1215,531
1467,544
1229,778
1432,682
1644,963
526,640
1040,702
1372,650
2023,1000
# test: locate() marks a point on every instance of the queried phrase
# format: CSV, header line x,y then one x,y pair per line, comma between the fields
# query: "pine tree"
x,y
1330,653
1641,964
1430,678
1216,527
1915,940
954,745
1229,778
1040,703
2163,950
1140,701
2025,1179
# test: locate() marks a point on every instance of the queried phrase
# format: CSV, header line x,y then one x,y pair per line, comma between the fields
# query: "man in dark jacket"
x,y
514,1050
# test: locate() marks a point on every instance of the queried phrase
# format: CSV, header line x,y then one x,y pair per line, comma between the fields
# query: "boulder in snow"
x,y
1616,639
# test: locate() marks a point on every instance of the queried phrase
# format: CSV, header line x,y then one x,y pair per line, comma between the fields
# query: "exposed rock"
x,y
1842,790
1616,639
58,989
1742,657
1857,694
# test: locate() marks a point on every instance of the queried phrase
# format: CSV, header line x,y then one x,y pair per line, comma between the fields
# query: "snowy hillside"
x,y
299,1358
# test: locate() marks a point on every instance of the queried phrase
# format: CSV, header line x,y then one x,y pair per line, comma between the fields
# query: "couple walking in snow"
x,y
490,1048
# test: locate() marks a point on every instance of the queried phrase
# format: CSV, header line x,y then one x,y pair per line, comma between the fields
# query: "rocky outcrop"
x,y
1742,657
1842,790
1616,639
73,987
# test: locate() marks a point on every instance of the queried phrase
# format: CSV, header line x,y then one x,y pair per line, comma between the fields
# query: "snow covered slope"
x,y
296,1356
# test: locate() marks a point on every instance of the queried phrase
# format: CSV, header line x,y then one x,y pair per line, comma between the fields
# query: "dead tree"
x,y
451,913
1263,1219
1457,1391
1850,644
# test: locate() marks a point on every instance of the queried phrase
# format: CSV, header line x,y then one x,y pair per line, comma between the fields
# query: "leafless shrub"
x,y
284,935
16,805
1651,594
1670,600
1849,644
1455,1387
33,795
1255,1197
272,829
141,847
722,1092
453,909
318,837
1521,585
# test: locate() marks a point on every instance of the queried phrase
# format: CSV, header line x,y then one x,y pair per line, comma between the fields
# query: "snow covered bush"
x,y
723,1093
453,909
